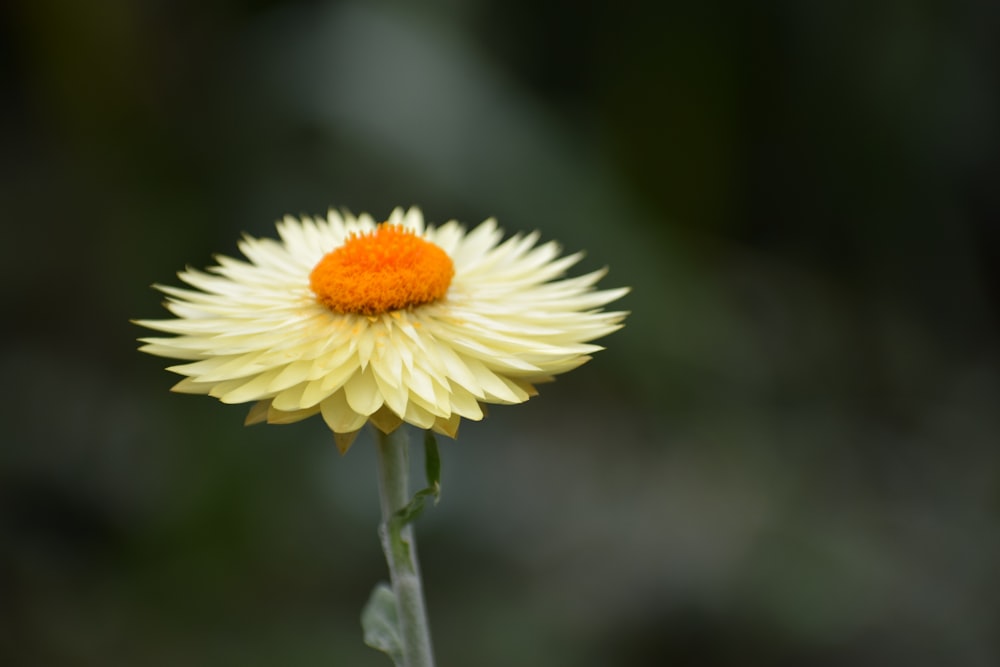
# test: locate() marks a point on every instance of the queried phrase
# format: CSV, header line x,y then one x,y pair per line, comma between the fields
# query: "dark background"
x,y
789,456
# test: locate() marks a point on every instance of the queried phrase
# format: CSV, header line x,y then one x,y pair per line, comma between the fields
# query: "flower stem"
x,y
400,547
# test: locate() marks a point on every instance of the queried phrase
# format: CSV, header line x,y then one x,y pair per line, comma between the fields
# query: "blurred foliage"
x,y
788,456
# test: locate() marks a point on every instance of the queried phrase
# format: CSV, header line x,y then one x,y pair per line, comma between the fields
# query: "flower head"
x,y
388,323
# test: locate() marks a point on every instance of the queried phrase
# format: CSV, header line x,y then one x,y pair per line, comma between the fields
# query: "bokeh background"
x,y
790,455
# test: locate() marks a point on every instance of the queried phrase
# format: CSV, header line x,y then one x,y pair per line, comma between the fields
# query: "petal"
x,y
386,420
275,416
258,413
447,425
339,415
362,392
344,440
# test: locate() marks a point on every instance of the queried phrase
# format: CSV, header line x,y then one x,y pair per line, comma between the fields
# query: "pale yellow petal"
x,y
447,425
275,416
395,396
290,399
339,415
362,392
418,416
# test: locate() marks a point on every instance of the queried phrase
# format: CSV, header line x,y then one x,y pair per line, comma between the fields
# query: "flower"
x,y
388,323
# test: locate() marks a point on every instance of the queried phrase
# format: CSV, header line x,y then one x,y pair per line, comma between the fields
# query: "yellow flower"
x,y
388,323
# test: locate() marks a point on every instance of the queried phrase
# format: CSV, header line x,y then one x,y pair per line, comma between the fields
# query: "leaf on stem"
x,y
413,509
432,466
380,622
432,463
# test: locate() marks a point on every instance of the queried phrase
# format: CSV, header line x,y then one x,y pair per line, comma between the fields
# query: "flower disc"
x,y
389,269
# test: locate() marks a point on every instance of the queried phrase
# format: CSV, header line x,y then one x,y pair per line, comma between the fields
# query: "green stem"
x,y
400,549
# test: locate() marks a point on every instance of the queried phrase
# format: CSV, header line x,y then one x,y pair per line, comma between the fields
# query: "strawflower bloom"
x,y
383,323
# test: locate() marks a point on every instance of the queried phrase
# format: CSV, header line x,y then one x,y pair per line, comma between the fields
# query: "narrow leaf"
x,y
432,466
414,508
432,463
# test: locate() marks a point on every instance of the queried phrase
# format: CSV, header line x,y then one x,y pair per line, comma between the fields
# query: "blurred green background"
x,y
789,456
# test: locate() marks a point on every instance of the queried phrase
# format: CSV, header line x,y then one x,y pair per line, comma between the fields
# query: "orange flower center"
x,y
389,269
